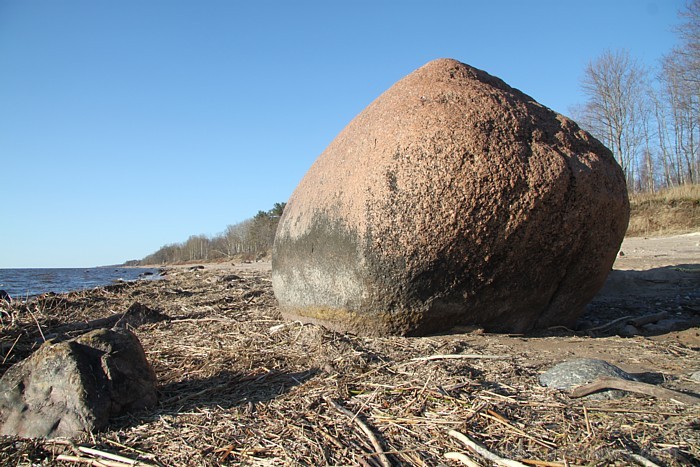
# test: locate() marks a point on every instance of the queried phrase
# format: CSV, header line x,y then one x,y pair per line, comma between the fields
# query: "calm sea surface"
x,y
23,283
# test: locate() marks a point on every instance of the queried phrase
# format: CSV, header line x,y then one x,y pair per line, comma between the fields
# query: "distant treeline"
x,y
248,239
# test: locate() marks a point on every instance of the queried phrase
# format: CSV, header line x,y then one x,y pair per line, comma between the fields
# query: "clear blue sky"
x,y
126,125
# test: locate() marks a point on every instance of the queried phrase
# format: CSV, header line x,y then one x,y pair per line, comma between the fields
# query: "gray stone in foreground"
x,y
73,386
572,373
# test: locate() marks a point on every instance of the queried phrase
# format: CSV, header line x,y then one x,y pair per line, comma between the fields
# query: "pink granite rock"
x,y
452,199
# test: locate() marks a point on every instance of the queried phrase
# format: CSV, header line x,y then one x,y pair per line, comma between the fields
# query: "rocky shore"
x,y
238,385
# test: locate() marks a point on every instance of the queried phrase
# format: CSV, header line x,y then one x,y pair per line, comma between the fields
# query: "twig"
x,y
279,327
187,397
9,352
144,454
483,452
458,356
609,382
624,410
463,458
640,459
378,449
37,324
589,430
88,461
637,322
543,463
225,451
612,323
109,455
204,320
502,420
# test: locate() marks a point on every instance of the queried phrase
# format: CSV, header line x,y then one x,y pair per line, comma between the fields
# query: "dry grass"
x,y
667,212
238,385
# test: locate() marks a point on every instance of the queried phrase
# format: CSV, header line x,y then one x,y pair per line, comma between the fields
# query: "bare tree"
x,y
617,109
689,51
677,116
679,132
197,248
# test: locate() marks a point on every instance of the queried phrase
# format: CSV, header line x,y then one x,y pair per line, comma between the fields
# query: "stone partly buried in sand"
x,y
567,375
75,386
452,199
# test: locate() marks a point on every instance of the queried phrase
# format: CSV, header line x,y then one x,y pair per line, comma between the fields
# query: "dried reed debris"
x,y
240,386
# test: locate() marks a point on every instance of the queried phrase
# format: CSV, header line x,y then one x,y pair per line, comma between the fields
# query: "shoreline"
x,y
29,283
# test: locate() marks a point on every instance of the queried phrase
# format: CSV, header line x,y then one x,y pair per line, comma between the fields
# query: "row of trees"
x,y
650,119
249,239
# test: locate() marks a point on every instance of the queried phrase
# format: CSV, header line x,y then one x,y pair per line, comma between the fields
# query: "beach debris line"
x,y
136,315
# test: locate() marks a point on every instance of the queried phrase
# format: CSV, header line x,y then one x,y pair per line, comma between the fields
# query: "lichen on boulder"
x,y
452,199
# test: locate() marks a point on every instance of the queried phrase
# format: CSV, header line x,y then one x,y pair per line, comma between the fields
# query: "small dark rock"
x,y
628,330
184,293
230,278
139,314
252,294
572,373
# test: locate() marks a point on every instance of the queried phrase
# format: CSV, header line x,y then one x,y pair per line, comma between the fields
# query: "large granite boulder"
x,y
75,386
452,199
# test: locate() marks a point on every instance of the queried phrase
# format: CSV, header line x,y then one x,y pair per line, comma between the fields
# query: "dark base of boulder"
x,y
438,320
343,321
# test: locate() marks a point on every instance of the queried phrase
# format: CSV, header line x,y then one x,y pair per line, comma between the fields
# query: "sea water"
x,y
24,283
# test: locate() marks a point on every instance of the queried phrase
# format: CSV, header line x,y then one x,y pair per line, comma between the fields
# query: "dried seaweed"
x,y
238,385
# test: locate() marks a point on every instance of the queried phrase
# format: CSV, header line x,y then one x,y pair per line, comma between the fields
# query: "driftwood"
x,y
609,382
483,452
643,461
625,320
458,357
647,319
378,448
